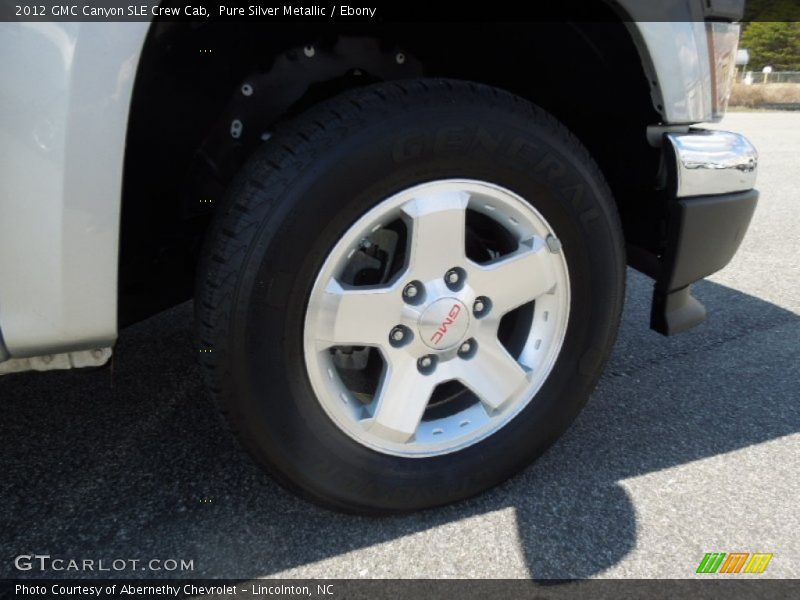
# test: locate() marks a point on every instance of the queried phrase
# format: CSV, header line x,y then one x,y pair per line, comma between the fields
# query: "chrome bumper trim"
x,y
712,162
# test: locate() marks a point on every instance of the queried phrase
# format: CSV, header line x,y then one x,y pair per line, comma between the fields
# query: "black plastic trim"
x,y
723,10
4,355
675,312
704,234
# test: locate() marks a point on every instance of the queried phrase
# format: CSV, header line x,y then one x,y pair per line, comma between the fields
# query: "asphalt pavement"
x,y
689,445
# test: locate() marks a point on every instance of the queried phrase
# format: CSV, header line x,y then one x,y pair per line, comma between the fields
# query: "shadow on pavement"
x,y
143,468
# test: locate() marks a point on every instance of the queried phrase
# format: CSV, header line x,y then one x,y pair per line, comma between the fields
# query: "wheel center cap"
x,y
444,323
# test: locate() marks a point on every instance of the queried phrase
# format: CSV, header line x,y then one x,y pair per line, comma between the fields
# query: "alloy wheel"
x,y
436,318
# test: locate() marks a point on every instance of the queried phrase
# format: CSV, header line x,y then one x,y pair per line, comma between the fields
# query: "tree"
x,y
773,43
771,10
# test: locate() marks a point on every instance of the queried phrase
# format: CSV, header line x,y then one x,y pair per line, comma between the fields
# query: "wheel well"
x,y
182,146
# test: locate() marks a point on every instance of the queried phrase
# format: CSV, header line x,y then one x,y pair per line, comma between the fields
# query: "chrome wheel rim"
x,y
452,335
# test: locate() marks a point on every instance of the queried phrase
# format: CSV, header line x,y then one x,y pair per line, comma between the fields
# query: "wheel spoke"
x,y
361,316
517,278
493,374
401,400
438,231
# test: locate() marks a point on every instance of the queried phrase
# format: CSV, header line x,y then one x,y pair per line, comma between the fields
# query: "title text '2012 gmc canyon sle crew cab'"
x,y
406,244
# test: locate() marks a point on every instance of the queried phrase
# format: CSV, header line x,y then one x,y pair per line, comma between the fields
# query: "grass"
x,y
753,96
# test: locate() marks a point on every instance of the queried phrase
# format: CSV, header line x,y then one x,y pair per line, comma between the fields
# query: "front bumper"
x,y
712,162
711,175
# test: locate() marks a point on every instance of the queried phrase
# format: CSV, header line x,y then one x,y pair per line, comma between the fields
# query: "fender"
x,y
63,133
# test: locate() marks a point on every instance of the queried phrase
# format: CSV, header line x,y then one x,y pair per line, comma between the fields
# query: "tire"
x,y
295,202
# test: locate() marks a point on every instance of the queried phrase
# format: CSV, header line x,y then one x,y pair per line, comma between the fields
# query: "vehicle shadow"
x,y
134,463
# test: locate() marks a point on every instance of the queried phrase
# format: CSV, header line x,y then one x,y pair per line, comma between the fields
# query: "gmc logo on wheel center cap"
x,y
443,323
449,320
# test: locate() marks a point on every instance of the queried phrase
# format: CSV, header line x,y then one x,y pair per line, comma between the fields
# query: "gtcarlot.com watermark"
x,y
47,563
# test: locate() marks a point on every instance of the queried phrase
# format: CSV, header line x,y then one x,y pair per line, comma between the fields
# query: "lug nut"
x,y
414,293
400,335
426,364
467,348
481,306
454,278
